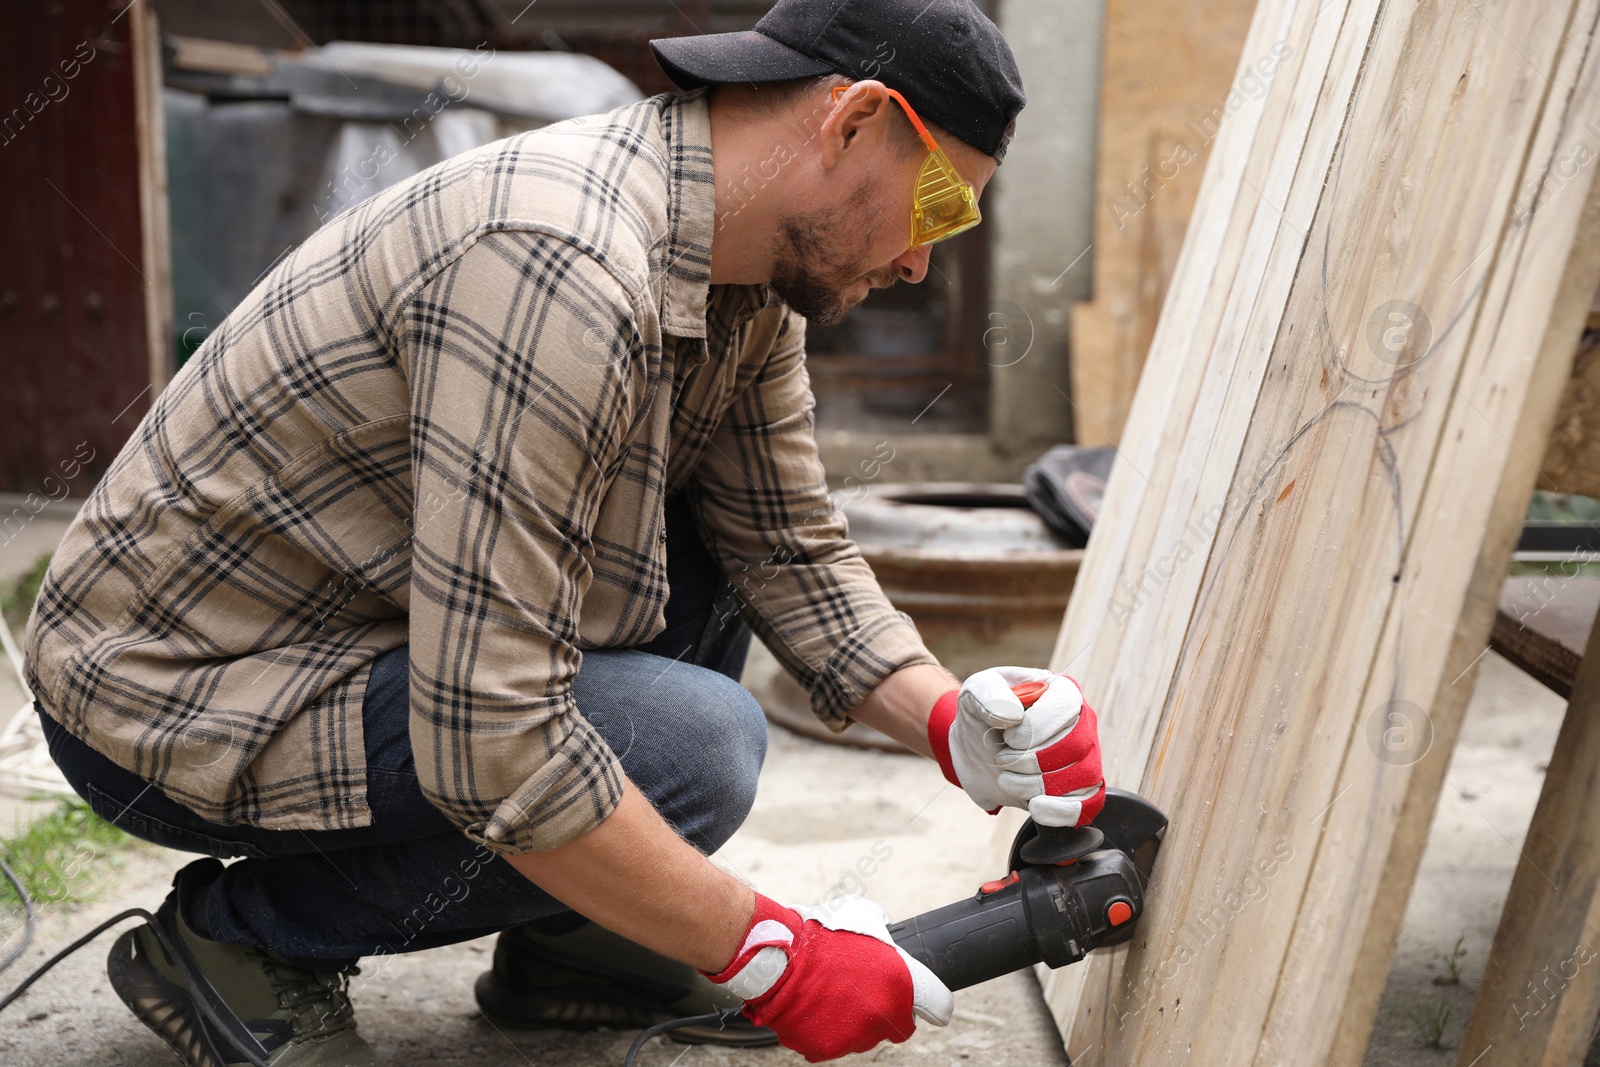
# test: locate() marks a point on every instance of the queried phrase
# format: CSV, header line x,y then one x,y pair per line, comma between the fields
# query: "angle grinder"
x,y
1068,891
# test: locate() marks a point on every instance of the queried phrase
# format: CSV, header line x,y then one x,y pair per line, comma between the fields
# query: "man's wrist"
x,y
901,703
759,959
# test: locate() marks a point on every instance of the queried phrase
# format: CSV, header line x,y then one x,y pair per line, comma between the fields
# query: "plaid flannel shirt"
x,y
451,418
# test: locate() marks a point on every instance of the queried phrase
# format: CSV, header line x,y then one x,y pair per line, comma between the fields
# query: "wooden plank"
x,y
1544,659
1543,624
155,230
1540,993
1166,86
1301,546
220,57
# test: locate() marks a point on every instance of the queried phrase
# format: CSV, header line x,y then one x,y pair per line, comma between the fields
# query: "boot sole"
x,y
507,1006
166,1009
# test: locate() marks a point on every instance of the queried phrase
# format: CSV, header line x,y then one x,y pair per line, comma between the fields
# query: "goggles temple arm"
x,y
916,123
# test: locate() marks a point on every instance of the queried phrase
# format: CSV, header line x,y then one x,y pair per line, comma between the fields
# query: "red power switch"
x,y
998,884
1119,912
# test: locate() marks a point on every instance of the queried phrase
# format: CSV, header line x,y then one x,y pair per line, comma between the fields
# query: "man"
x,y
412,591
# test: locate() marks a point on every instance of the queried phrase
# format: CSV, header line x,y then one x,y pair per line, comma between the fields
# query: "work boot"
x,y
571,974
286,1016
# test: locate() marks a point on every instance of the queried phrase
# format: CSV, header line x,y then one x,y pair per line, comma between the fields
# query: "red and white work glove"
x,y
829,980
1042,755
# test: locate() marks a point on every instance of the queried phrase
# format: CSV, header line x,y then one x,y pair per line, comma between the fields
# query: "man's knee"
x,y
723,738
733,731
690,738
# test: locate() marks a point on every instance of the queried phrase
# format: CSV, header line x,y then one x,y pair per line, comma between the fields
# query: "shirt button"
x,y
663,535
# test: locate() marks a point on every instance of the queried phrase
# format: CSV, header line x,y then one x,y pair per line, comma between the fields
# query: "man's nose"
x,y
912,264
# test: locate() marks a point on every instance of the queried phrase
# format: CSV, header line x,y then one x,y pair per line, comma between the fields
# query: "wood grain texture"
x,y
73,337
1318,490
1540,993
1539,998
1544,659
1167,84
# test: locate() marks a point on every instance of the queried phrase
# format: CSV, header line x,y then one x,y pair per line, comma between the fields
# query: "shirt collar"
x,y
691,207
691,218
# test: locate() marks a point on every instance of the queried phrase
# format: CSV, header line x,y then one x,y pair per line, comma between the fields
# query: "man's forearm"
x,y
635,876
900,704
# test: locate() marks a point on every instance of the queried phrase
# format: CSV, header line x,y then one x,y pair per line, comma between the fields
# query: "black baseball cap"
x,y
944,56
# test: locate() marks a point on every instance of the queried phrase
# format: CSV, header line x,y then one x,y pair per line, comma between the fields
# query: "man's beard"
x,y
810,276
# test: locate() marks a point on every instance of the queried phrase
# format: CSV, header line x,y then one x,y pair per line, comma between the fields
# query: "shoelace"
x,y
318,1000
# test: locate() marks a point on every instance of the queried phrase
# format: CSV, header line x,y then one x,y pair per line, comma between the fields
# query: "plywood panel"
x,y
1321,480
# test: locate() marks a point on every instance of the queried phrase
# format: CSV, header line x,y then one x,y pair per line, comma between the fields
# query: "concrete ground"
x,y
1473,850
831,817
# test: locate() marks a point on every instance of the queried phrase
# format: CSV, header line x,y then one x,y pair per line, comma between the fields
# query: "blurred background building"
x,y
160,156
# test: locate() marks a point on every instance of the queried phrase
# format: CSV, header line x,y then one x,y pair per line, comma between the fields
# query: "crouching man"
x,y
418,591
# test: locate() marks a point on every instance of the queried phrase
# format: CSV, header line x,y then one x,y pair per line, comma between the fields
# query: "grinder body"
x,y
1052,915
1069,891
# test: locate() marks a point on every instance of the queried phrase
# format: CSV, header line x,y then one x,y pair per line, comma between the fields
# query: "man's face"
x,y
831,256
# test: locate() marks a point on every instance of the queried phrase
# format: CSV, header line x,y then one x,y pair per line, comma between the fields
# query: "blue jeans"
x,y
687,735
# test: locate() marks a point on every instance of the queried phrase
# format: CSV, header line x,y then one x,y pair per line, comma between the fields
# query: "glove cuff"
x,y
763,955
940,719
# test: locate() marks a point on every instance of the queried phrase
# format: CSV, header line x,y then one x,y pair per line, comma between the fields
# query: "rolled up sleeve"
x,y
525,376
807,590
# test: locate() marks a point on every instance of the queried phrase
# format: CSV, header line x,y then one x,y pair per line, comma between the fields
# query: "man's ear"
x,y
860,114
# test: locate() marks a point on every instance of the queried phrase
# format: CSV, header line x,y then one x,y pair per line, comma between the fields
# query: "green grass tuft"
x,y
1452,964
17,601
64,855
1430,1020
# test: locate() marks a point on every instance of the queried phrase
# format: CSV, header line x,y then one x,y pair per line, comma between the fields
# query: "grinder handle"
x,y
973,940
1028,692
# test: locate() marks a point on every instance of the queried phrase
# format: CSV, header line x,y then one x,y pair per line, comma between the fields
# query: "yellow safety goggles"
x,y
944,204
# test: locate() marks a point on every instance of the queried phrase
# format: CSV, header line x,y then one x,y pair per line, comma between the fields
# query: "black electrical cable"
x,y
70,949
721,1017
204,1004
29,922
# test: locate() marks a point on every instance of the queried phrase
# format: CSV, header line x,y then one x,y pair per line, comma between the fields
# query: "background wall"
x,y
74,282
1043,219
75,291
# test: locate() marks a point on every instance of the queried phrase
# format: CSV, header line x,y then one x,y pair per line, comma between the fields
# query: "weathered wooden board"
x,y
1167,84
154,225
1539,1000
1540,994
1318,489
1544,659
